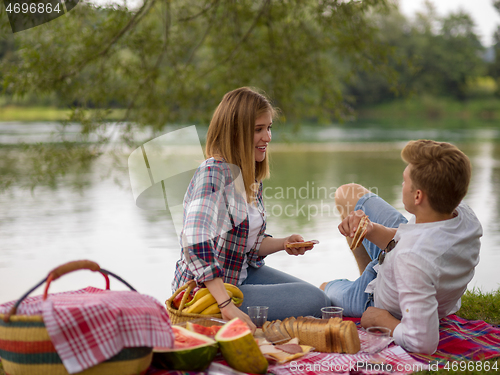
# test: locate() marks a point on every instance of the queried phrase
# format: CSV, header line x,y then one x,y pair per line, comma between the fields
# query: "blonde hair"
x,y
231,134
439,169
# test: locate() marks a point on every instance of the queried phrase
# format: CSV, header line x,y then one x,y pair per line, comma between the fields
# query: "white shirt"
x,y
423,278
254,224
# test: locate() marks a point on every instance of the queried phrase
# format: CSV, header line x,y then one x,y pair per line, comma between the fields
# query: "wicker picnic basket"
x,y
26,348
177,315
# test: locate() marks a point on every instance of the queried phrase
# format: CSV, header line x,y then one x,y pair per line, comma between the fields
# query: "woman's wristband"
x,y
225,303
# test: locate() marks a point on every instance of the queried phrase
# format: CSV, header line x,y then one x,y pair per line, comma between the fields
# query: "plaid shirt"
x,y
215,226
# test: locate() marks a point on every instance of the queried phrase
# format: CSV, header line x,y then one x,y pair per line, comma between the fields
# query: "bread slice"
x,y
290,329
287,326
351,337
265,326
334,330
322,335
298,328
284,327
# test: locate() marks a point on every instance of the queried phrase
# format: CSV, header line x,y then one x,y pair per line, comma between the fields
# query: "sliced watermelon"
x,y
207,331
192,352
239,348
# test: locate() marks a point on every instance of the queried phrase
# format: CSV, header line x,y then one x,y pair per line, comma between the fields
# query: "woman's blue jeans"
x,y
286,295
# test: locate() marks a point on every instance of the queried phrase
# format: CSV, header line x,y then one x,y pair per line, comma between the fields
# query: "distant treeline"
x,y
172,60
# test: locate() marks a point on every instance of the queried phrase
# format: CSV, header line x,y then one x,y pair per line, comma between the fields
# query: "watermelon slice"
x,y
239,348
191,352
202,330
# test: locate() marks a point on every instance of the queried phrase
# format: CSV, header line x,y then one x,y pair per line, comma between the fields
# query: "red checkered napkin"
x,y
91,325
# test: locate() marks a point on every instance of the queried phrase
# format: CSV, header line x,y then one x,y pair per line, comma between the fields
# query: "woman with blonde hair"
x,y
223,238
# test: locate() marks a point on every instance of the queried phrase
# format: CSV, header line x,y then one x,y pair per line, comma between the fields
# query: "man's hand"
x,y
375,317
349,225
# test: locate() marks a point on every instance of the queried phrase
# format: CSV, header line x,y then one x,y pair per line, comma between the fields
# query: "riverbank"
x,y
409,113
433,112
22,113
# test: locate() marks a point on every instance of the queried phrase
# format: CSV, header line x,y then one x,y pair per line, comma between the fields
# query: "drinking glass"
x,y
258,315
378,339
332,312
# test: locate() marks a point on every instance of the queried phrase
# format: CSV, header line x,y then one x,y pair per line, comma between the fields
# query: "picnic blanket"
x,y
393,360
464,340
460,340
91,325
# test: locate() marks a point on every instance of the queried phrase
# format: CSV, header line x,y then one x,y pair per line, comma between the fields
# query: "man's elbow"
x,y
423,347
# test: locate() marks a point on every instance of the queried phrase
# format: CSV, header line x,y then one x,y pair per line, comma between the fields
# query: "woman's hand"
x,y
231,311
349,225
295,250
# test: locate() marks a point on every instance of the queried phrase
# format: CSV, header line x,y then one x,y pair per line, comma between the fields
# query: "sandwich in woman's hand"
x,y
302,244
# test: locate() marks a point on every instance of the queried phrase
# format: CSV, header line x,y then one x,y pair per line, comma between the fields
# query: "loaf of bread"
x,y
330,336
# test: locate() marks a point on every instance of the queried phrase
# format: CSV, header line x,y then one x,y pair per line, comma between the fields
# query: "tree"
x,y
494,68
172,60
431,54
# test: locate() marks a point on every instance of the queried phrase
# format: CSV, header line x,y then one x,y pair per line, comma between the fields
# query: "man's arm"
x,y
380,235
375,317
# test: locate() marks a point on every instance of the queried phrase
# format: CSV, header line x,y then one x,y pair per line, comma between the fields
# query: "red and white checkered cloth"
x,y
91,325
391,361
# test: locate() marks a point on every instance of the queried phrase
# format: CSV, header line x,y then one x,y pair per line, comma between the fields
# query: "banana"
x,y
199,295
212,309
237,301
201,304
234,289
203,300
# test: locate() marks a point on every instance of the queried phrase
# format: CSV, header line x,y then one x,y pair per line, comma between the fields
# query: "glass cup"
x,y
331,312
378,338
258,315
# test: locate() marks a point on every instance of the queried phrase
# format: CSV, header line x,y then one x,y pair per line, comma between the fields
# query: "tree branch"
x,y
203,11
202,40
156,65
133,21
230,56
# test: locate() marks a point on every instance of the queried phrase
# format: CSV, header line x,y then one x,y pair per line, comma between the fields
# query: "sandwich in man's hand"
x,y
360,233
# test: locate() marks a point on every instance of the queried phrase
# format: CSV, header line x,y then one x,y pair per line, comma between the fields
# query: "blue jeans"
x,y
285,295
351,294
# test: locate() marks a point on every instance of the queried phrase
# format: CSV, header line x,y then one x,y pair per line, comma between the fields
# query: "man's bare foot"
x,y
323,286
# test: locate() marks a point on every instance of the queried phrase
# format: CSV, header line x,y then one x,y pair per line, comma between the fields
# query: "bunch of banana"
x,y
204,303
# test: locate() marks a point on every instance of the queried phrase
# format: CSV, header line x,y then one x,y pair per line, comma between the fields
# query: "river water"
x,y
91,214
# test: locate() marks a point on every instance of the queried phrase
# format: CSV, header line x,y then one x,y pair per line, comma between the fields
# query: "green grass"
x,y
22,113
433,112
481,306
475,306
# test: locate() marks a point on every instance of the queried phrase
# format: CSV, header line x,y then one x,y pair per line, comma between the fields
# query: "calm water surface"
x,y
92,215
